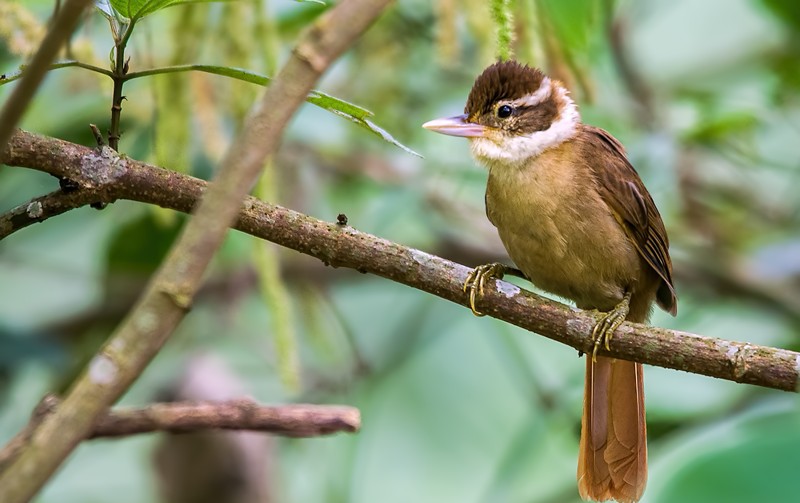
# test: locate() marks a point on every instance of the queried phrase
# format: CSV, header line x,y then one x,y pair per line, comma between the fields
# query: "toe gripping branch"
x,y
477,279
604,330
601,334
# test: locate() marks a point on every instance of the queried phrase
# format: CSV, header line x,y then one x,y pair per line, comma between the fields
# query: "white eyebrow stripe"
x,y
517,149
533,99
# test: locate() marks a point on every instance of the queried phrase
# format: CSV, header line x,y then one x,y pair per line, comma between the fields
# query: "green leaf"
x,y
137,9
321,2
349,111
330,103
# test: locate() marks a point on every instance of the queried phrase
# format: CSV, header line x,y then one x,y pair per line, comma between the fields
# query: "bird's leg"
x,y
604,330
478,276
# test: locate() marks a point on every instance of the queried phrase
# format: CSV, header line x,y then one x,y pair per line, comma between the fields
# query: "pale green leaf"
x,y
349,111
137,9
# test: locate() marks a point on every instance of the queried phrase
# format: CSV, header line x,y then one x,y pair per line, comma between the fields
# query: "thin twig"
x,y
50,205
98,136
55,66
342,246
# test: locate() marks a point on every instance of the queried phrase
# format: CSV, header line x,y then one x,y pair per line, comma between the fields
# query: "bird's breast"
x,y
559,231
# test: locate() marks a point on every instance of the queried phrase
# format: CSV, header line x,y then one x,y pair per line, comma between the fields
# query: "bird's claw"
x,y
604,330
477,279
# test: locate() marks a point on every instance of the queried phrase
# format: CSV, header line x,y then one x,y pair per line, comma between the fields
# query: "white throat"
x,y
504,149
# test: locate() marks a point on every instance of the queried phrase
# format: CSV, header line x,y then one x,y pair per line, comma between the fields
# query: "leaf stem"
x,y
118,76
55,66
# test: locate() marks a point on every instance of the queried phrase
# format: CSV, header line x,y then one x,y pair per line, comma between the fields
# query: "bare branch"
x,y
343,246
294,420
169,295
41,208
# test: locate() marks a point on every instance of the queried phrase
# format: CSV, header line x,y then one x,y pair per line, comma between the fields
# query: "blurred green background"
x,y
705,96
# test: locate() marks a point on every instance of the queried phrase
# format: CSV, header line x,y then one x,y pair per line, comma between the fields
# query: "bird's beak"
x,y
456,126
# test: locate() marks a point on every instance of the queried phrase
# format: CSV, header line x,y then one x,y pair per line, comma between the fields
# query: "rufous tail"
x,y
612,463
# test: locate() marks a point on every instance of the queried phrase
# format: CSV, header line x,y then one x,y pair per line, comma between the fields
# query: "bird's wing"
x,y
623,191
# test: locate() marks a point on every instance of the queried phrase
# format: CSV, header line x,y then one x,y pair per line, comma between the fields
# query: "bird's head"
x,y
513,113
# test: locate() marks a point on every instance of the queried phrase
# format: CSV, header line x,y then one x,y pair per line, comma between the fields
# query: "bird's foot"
x,y
604,330
477,278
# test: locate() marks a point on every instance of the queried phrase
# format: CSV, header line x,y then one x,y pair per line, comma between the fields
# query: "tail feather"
x,y
612,463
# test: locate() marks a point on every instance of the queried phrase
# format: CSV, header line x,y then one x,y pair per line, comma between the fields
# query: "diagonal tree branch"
x,y
343,246
170,292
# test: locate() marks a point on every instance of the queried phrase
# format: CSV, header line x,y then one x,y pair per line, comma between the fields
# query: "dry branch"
x,y
294,420
343,246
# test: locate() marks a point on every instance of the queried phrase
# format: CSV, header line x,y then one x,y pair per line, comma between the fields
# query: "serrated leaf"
x,y
342,108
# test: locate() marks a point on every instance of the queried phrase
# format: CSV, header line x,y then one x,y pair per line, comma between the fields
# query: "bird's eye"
x,y
504,111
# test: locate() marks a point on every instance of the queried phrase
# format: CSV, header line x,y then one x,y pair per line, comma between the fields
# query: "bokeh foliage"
x,y
706,97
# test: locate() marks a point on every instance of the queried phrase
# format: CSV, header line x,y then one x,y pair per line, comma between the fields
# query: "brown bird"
x,y
577,220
